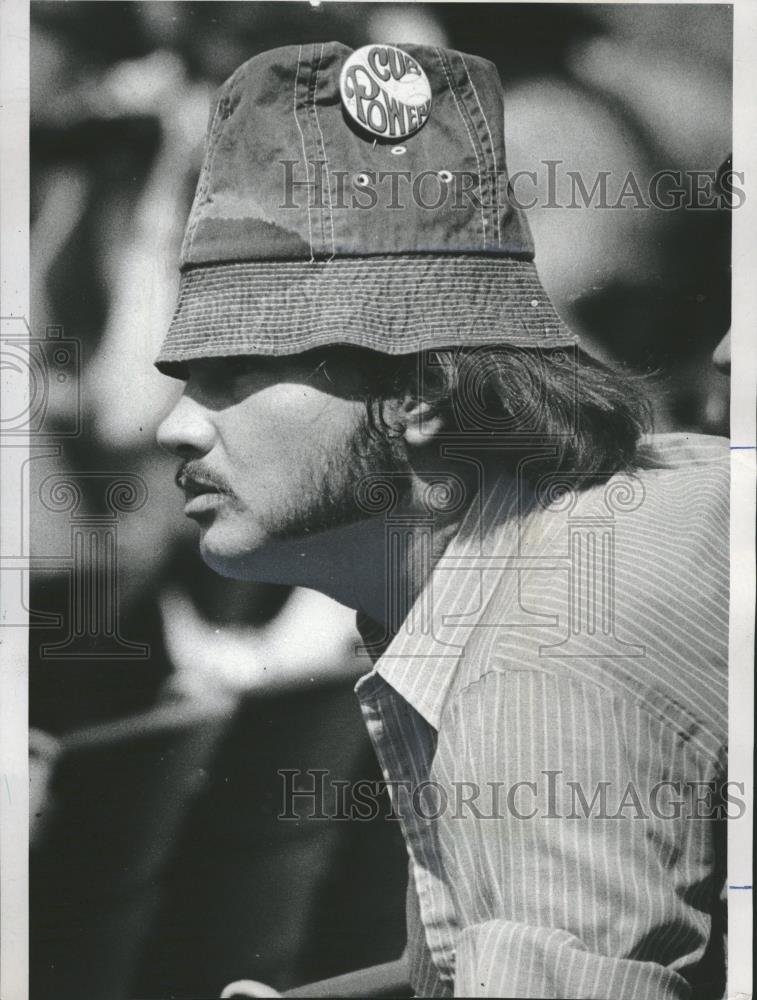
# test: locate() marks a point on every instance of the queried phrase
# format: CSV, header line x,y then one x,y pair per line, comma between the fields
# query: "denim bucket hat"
x,y
356,198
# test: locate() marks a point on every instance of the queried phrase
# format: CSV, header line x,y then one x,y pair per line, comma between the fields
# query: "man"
x,y
382,404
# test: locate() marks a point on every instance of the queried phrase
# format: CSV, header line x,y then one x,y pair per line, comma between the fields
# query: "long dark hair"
x,y
592,416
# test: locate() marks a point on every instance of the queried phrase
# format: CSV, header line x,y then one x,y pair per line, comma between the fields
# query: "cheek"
x,y
289,429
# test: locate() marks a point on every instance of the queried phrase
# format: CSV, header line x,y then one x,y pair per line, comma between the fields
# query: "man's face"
x,y
272,449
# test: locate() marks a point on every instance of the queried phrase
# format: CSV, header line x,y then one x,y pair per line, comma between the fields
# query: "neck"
x,y
377,566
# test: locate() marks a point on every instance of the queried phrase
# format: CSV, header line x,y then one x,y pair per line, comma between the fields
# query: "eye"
x,y
239,363
224,377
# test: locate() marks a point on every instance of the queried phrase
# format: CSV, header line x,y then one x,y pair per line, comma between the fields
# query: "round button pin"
x,y
385,91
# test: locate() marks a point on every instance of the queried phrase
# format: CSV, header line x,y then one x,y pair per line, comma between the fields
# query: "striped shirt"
x,y
552,721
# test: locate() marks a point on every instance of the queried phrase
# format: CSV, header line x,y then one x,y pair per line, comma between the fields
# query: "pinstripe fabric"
x,y
574,643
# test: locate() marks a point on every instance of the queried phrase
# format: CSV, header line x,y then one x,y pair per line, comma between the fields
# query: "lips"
x,y
201,494
197,487
201,503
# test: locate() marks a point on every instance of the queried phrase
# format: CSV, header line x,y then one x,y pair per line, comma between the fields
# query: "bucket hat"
x,y
356,197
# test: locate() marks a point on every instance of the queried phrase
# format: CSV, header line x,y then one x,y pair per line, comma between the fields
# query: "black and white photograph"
x,y
378,481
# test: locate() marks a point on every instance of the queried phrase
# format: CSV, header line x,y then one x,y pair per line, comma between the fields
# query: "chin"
x,y
228,556
223,565
260,560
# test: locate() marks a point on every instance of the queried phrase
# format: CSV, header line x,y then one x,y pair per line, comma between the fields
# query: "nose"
x,y
188,430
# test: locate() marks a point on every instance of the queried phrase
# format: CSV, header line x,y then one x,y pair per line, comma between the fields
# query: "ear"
x,y
422,422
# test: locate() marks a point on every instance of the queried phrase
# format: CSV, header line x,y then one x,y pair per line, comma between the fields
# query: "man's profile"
x,y
381,403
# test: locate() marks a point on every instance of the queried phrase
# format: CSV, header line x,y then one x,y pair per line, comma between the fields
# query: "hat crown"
x,y
290,174
356,198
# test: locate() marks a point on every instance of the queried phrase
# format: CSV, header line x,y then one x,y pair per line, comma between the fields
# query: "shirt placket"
x,y
405,744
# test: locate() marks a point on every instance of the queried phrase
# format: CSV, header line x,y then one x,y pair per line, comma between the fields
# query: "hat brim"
x,y
397,304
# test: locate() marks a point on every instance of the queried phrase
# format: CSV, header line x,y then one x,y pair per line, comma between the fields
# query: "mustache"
x,y
192,476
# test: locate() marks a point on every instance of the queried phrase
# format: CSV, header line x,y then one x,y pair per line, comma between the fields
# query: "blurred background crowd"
x,y
164,699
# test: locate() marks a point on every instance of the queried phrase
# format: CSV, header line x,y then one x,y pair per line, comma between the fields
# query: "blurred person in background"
x,y
384,406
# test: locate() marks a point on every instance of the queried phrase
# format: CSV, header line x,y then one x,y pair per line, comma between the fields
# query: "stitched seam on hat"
x,y
453,89
323,149
491,143
313,141
304,151
520,273
476,263
448,264
212,143
248,283
202,188
475,138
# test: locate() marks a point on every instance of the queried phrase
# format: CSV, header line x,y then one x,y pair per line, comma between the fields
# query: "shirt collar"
x,y
421,661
